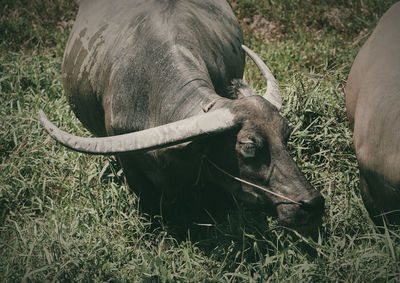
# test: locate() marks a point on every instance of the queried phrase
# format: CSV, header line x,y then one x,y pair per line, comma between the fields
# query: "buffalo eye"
x,y
248,148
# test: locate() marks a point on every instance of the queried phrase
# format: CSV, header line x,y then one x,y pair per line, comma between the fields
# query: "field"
x,y
66,216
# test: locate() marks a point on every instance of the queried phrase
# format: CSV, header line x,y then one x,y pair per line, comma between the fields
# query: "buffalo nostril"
x,y
316,204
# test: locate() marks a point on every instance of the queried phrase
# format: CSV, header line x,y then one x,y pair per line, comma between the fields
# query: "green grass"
x,y
68,216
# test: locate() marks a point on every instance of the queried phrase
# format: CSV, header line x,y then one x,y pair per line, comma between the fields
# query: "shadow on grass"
x,y
221,227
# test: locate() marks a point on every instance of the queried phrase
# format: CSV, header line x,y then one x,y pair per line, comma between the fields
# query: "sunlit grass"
x,y
69,216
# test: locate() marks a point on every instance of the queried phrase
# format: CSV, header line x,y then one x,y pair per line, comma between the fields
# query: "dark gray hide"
x,y
373,107
136,65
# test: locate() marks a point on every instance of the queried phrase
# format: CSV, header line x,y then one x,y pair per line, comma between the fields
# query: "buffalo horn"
x,y
213,122
273,95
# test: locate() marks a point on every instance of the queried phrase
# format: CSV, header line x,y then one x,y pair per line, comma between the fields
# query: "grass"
x,y
66,216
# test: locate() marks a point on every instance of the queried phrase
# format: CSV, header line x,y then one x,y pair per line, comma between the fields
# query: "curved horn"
x,y
166,135
272,94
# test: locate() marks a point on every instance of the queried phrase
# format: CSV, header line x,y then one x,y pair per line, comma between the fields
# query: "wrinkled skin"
x,y
134,65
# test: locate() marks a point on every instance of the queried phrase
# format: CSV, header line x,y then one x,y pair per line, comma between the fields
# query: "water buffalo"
x,y
159,81
373,107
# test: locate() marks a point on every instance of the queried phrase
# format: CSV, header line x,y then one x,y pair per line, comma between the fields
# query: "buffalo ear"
x,y
240,89
286,133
